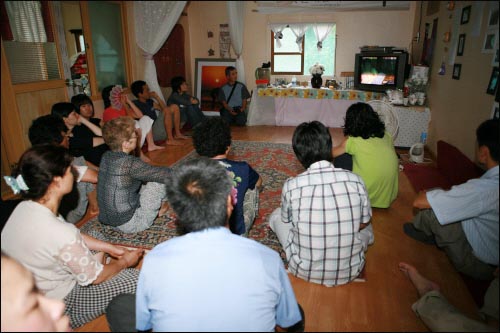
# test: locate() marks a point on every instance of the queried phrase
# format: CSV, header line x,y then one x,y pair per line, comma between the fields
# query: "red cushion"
x,y
424,177
454,165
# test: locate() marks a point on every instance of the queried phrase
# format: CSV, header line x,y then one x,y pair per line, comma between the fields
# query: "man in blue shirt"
x,y
233,96
471,244
210,279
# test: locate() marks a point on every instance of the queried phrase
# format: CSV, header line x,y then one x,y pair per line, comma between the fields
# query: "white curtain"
x,y
154,20
278,34
299,30
26,21
321,30
63,49
236,13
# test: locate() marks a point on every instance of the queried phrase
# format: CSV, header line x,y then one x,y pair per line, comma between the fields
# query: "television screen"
x,y
378,70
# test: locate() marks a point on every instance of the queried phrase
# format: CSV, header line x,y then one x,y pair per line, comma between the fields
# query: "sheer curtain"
x,y
154,20
321,30
277,29
299,30
63,48
236,11
26,21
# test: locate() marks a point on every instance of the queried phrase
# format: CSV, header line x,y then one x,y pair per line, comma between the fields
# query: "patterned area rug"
x,y
274,162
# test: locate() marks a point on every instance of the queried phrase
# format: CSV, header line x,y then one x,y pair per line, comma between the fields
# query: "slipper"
x,y
418,235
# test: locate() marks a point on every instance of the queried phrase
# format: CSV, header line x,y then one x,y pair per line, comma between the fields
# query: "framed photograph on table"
x,y
209,77
465,15
457,68
490,40
492,85
461,45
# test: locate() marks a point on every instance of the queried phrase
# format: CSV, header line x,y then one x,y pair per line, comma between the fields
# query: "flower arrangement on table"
x,y
317,69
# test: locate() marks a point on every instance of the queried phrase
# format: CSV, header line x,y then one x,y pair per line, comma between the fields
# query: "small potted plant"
x,y
316,71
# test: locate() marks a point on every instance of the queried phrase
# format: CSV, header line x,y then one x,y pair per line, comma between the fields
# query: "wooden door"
x,y
169,60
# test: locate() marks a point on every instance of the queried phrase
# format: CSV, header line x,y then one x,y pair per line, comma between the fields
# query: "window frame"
x,y
273,53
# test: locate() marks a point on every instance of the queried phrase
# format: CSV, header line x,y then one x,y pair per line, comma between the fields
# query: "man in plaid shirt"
x,y
324,220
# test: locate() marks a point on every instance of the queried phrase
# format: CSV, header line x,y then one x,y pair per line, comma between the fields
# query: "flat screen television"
x,y
380,71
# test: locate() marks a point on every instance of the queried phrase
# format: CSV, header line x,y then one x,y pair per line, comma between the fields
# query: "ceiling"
x,y
278,7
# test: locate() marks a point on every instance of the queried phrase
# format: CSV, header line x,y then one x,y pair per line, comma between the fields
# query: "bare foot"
x,y
182,137
144,158
155,147
422,284
163,209
173,142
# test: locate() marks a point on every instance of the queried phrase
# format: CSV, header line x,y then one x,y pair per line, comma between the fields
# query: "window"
x,y
29,41
289,59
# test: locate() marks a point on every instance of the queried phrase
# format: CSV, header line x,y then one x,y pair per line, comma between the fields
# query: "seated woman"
x,y
373,155
86,139
55,251
189,105
212,138
118,104
51,129
124,202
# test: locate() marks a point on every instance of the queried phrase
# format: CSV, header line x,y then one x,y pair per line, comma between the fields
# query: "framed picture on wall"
x,y
209,77
461,45
457,68
490,40
492,85
465,15
494,61
495,112
493,15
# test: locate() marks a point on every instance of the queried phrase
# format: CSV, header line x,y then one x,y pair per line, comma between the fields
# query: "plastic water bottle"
x,y
294,81
423,137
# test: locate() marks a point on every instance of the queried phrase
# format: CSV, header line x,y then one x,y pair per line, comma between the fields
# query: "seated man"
x,y
124,202
83,135
159,112
233,96
324,220
210,279
188,104
51,129
212,138
464,220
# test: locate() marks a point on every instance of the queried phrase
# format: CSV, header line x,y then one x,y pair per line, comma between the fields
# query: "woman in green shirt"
x,y
373,154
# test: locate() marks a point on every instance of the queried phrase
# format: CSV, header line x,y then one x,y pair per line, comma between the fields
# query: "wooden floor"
x,y
383,302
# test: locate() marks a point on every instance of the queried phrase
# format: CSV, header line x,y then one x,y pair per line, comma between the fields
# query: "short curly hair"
x,y
361,120
117,131
212,137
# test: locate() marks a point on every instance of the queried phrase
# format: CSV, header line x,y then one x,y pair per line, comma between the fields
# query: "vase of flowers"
x,y
316,71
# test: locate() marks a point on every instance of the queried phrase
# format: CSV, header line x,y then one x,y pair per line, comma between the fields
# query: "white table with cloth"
x,y
293,106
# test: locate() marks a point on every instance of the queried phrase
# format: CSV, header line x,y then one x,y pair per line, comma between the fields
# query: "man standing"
x,y
211,279
233,96
154,107
464,220
324,220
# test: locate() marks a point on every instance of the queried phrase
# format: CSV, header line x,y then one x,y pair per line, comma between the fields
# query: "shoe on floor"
x,y
411,231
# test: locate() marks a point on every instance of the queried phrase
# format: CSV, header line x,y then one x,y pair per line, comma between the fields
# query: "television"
x,y
380,71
